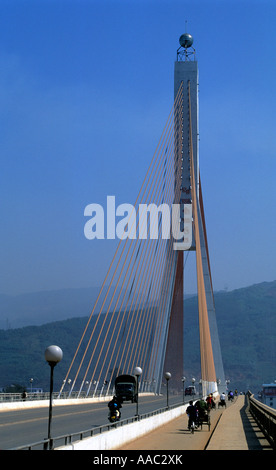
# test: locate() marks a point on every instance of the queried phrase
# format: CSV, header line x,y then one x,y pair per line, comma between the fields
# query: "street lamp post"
x,y
193,382
183,388
167,377
227,383
137,373
218,383
53,355
200,391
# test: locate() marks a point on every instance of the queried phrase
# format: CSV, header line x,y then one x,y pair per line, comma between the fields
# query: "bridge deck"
x,y
231,429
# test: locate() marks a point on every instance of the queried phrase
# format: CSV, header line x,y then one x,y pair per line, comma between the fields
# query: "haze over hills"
x,y
38,308
246,321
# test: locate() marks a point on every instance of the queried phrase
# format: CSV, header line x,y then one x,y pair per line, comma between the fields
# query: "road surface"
x,y
23,427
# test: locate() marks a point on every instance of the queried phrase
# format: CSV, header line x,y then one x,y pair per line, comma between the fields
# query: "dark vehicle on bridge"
x,y
190,390
126,388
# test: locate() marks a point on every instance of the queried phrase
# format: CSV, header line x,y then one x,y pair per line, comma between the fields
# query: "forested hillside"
x,y
246,321
247,328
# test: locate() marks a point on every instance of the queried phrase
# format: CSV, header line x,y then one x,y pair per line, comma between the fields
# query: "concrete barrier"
x,y
21,405
115,438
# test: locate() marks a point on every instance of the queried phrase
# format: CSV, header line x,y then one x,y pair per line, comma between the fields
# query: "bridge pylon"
x,y
137,319
187,144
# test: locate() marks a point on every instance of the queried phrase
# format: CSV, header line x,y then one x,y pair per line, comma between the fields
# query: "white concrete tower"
x,y
186,73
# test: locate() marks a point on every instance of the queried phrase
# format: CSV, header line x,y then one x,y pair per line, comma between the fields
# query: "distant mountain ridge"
x,y
39,308
246,321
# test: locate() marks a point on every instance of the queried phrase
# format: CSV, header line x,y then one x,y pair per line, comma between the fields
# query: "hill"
x,y
39,308
246,323
246,320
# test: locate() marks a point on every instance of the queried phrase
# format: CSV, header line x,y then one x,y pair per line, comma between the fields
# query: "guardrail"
x,y
265,418
31,396
51,444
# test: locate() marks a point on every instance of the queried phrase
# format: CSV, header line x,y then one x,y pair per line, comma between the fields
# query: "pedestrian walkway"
x,y
231,429
237,430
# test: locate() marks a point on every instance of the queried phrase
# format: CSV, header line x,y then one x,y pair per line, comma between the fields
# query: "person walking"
x,y
192,413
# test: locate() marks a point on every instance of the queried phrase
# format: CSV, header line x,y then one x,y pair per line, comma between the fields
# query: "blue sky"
x,y
85,90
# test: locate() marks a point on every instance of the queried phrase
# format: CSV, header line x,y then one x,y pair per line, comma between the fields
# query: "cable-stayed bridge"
x,y
137,319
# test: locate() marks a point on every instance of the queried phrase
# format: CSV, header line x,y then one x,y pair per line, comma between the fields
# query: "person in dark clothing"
x,y
202,408
115,404
192,413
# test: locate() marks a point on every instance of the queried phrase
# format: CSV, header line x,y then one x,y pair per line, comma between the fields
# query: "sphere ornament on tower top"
x,y
186,40
185,51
